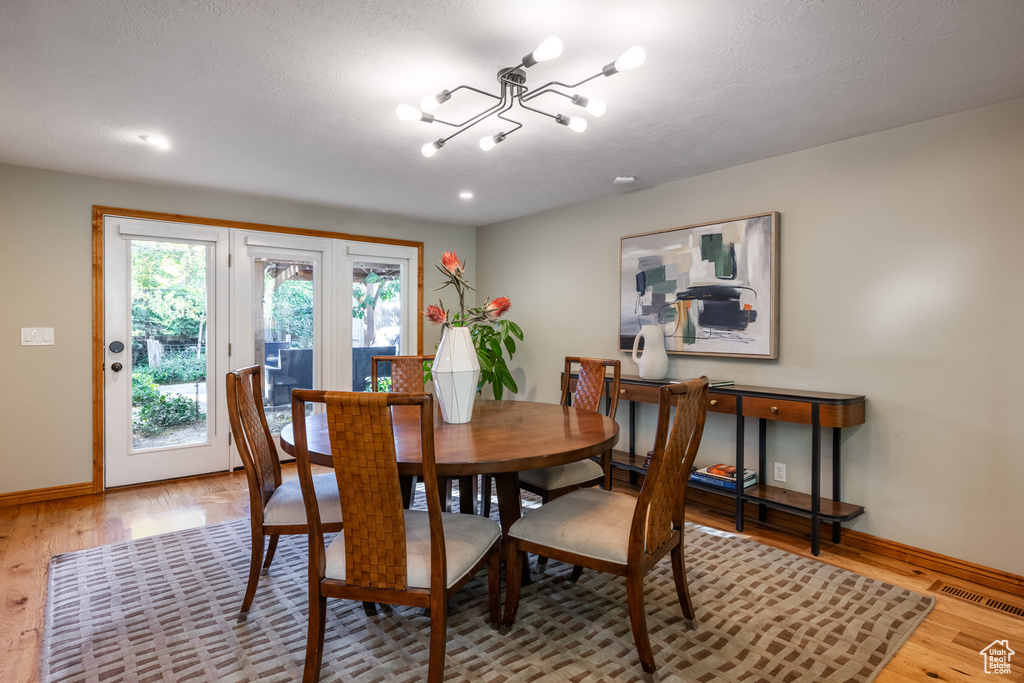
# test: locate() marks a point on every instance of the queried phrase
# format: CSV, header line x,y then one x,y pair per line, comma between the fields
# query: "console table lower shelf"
x,y
763,495
767,405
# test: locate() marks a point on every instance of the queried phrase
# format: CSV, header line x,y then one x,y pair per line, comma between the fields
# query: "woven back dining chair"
x,y
385,553
616,533
275,506
591,387
408,375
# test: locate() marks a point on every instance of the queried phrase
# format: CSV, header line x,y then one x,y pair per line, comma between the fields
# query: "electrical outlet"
x,y
779,471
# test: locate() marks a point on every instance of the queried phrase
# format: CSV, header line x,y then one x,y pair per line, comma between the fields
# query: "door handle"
x,y
116,367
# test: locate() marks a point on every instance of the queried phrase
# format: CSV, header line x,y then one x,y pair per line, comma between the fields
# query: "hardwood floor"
x,y
945,648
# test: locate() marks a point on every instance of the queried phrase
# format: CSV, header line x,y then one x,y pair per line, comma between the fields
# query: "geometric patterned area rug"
x,y
164,608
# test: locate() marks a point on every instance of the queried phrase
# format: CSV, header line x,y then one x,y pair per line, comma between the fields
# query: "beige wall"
x,y
45,239
901,278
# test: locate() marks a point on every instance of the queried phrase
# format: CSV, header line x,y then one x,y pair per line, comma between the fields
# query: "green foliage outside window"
x,y
292,308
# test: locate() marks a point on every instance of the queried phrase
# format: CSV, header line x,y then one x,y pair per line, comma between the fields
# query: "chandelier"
x,y
513,90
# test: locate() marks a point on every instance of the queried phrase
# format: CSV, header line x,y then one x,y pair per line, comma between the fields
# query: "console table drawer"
x,y
639,392
722,403
774,409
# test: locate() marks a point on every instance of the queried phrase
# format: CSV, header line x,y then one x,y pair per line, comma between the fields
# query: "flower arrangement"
x,y
491,337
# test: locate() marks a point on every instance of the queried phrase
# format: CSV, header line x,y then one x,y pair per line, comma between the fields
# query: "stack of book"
x,y
722,476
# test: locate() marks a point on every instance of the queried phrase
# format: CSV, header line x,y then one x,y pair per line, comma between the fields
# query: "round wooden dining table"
x,y
502,439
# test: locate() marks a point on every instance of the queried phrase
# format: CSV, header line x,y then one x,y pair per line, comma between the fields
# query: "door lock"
x,y
116,367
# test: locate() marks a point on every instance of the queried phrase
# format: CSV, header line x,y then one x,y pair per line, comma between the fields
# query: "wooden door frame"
x,y
98,214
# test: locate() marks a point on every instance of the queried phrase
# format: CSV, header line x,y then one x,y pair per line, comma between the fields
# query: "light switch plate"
x,y
37,336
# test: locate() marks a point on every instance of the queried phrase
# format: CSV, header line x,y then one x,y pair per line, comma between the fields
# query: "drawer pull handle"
x,y
774,409
714,401
622,391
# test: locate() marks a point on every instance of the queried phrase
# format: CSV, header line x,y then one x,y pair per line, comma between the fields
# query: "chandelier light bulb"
x,y
408,113
431,102
631,58
576,123
430,149
487,143
594,107
549,49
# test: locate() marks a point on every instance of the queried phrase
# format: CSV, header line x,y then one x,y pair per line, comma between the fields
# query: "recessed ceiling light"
x,y
466,195
624,180
157,141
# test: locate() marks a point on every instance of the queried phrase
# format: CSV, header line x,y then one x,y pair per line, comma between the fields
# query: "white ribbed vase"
x,y
456,372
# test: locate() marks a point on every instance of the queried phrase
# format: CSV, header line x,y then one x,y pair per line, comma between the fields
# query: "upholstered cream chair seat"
x,y
466,541
590,522
286,507
564,476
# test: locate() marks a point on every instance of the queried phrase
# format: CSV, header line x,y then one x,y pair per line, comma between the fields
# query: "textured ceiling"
x,y
296,99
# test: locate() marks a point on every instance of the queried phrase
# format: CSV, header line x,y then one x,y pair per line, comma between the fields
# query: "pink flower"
x,y
451,263
436,314
496,308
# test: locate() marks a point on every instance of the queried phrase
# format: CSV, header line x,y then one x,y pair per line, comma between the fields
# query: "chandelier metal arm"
x,y
468,123
549,87
505,118
504,104
476,90
553,116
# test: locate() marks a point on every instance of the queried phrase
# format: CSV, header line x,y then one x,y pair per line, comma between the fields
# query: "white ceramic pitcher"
x,y
654,361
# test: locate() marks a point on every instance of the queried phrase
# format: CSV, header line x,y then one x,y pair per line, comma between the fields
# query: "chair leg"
x,y
315,638
577,572
494,587
271,549
445,492
255,560
638,620
467,495
485,497
682,585
370,609
408,486
513,579
438,638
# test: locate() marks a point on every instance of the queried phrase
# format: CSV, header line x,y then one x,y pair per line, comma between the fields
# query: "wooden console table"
x,y
814,408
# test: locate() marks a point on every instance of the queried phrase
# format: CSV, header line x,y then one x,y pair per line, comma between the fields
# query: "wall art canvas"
x,y
712,287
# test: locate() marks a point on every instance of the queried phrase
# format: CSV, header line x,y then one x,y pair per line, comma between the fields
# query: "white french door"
x,y
381,282
282,296
165,350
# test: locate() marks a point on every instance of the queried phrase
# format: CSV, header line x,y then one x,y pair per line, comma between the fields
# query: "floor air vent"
x,y
976,598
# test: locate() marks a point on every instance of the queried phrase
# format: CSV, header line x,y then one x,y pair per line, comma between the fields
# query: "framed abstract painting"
x,y
713,288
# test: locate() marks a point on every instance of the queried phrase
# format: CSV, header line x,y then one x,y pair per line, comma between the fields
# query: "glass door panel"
x,y
169,302
284,331
377,315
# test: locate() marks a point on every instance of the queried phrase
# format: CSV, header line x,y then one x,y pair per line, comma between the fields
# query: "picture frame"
x,y
713,287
